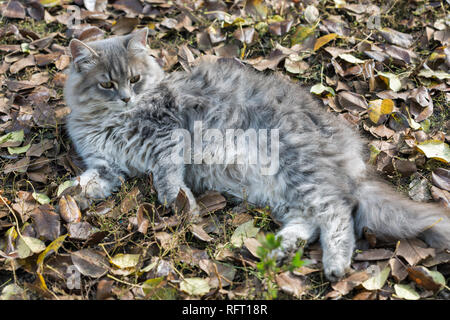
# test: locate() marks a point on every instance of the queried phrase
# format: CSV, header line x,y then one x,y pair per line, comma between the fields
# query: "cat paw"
x,y
82,202
336,269
92,185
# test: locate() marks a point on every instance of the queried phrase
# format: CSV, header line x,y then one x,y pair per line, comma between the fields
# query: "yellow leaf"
x,y
387,106
50,3
324,40
435,149
123,261
379,107
54,246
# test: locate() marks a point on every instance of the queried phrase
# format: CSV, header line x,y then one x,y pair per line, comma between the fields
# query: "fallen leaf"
x,y
398,269
221,275
405,291
195,286
291,284
373,255
414,251
435,149
320,42
46,222
311,14
441,178
395,37
423,277
378,280
81,230
344,286
352,101
90,263
257,8
244,231
210,202
320,88
14,10
350,58
42,198
124,261
199,233
68,209
391,80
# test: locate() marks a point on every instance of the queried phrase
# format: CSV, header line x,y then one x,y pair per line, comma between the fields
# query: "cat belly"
x,y
239,181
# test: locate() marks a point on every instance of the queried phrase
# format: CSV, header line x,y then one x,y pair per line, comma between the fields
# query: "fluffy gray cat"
x,y
125,112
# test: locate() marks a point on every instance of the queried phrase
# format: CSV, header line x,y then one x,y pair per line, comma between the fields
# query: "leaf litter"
x,y
390,80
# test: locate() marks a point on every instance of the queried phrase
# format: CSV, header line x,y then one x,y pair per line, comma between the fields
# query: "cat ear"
x,y
82,55
138,40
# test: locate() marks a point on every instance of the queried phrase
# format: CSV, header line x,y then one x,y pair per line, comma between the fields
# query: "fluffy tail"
x,y
393,216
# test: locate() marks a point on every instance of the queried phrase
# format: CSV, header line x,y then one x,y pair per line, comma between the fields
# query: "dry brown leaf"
x,y
90,263
374,254
21,64
420,276
69,210
46,222
81,230
347,284
441,196
398,269
414,251
291,284
441,178
398,38
14,10
199,233
210,202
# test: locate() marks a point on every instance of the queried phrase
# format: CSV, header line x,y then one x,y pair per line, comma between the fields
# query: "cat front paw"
x,y
336,268
93,186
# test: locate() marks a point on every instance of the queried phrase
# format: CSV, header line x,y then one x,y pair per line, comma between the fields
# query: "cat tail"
x,y
391,215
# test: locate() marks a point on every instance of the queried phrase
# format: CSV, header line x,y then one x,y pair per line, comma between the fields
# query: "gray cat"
x,y
128,116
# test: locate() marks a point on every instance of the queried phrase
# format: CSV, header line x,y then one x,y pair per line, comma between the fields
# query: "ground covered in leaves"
x,y
382,66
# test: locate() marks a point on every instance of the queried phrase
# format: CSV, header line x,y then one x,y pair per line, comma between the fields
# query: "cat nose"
x,y
126,99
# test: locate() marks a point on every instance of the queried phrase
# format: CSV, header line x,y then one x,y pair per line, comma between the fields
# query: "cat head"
x,y
110,72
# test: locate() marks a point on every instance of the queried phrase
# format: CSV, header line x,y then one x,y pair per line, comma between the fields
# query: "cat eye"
x,y
135,79
106,85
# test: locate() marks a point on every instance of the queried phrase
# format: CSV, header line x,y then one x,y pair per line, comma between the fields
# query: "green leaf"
x,y
378,280
34,244
435,149
405,291
14,136
154,288
195,286
63,186
244,231
42,198
437,277
441,75
301,34
320,88
19,150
